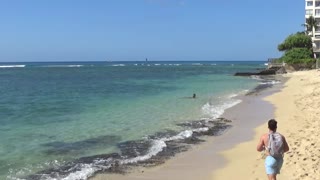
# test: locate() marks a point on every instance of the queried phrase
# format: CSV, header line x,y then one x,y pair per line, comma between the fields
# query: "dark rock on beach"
x,y
131,149
263,72
282,70
224,120
268,71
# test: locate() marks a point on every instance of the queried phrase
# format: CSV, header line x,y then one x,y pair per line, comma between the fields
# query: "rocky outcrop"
x,y
299,67
270,71
263,72
281,71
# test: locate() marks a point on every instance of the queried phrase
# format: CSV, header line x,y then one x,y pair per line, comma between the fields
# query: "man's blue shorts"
x,y
273,165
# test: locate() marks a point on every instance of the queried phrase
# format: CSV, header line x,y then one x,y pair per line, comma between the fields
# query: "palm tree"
x,y
310,25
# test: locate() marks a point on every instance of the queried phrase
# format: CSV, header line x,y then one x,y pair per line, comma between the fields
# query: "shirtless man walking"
x,y
273,163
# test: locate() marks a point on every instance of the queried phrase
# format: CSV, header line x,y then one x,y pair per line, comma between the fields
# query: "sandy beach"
x,y
297,112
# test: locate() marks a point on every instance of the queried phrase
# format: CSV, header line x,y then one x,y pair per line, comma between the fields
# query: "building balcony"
x,y
316,37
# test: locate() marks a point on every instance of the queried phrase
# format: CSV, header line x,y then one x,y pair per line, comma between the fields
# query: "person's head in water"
x,y
272,124
194,95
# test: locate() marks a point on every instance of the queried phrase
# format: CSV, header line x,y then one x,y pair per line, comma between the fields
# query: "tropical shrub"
x,y
301,61
297,49
297,40
298,53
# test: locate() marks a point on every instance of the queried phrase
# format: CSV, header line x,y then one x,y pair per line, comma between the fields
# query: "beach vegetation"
x,y
297,53
301,58
297,49
298,56
297,40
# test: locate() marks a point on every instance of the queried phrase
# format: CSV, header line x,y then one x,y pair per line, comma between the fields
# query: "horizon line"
x,y
123,61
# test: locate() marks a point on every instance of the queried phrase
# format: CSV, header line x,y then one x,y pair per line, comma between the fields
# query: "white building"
x,y
313,9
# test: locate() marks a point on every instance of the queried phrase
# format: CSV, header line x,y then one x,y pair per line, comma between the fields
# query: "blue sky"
x,y
120,30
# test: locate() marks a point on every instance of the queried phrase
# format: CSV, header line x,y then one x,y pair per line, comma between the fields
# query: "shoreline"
x,y
195,164
297,113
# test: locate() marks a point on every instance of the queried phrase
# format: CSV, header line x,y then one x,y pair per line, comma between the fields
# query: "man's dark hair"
x,y
272,124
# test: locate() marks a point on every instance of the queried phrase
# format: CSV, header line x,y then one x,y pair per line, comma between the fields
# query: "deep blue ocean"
x,y
54,113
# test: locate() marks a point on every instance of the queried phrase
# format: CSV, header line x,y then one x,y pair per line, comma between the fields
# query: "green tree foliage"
x,y
298,56
294,55
297,40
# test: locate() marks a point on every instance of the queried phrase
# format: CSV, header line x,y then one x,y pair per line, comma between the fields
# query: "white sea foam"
x,y
255,77
232,95
213,64
77,65
157,146
196,64
204,129
215,111
63,66
157,64
12,66
270,82
182,135
86,171
118,65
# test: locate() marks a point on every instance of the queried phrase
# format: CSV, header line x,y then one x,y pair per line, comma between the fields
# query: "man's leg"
x,y
272,176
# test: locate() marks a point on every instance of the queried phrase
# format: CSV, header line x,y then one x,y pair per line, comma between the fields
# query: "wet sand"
x,y
203,159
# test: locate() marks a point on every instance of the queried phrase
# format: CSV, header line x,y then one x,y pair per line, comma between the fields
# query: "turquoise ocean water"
x,y
53,113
